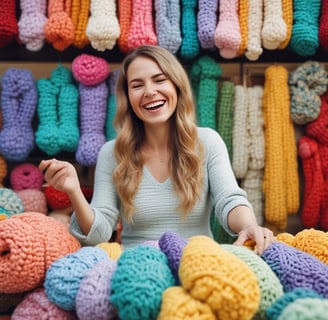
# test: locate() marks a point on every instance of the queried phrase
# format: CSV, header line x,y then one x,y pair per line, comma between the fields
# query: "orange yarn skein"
x,y
80,16
59,29
125,18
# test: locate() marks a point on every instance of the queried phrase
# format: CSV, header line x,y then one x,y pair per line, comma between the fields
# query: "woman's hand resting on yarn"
x,y
61,175
262,237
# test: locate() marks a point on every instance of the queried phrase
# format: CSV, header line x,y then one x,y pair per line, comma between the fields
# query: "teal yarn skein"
x,y
141,276
190,46
204,76
305,31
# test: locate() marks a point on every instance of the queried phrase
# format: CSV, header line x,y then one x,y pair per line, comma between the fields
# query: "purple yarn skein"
x,y
172,245
296,268
19,100
93,296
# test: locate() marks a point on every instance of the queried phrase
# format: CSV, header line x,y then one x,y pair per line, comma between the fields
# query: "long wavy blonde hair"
x,y
187,151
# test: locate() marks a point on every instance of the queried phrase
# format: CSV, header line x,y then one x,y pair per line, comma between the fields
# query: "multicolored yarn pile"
x,y
178,279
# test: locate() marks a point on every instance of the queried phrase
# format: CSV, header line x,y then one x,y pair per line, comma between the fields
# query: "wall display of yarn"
x,y
237,29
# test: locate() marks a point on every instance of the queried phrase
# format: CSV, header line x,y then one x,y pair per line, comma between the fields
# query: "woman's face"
x,y
152,95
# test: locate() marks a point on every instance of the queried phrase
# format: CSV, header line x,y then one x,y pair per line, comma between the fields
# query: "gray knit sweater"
x,y
156,202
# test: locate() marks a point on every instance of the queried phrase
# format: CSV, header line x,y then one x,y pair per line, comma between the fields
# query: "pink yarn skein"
x,y
34,200
26,176
36,305
90,70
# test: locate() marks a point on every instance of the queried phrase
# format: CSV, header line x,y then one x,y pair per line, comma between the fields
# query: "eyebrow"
x,y
153,77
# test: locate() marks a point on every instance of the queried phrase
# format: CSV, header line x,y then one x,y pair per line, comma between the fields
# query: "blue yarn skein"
x,y
141,276
63,278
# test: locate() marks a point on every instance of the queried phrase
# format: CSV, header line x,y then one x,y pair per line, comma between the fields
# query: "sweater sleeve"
x,y
104,203
225,191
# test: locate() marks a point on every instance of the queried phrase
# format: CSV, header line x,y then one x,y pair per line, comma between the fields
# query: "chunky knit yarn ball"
x,y
270,285
36,305
213,275
179,305
172,245
296,268
26,176
306,309
141,277
33,200
90,70
10,203
274,311
93,295
65,275
29,243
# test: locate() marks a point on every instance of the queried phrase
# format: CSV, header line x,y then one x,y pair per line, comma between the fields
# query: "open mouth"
x,y
155,105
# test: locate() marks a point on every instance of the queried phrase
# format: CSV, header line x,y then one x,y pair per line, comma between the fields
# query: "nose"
x,y
149,90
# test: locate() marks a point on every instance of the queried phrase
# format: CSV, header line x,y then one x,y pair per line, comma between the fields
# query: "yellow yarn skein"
x,y
281,181
177,304
287,13
217,277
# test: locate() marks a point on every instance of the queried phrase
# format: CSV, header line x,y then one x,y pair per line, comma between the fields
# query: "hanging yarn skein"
x,y
305,31
59,29
287,13
227,35
103,28
204,76
255,22
19,101
125,18
206,22
190,46
243,12
57,112
31,23
167,22
142,25
80,17
281,179
274,29
8,22
91,72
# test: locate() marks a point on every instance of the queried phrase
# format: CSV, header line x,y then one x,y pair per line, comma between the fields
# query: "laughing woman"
x,y
162,172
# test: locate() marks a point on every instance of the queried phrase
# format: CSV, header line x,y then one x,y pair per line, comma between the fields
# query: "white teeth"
x,y
154,105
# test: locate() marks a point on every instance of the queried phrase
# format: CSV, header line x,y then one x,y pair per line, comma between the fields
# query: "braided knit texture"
x,y
281,180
